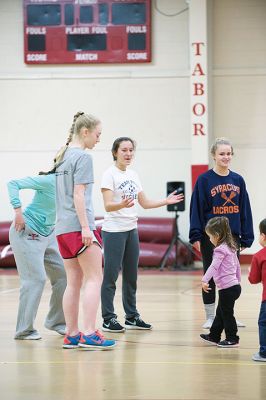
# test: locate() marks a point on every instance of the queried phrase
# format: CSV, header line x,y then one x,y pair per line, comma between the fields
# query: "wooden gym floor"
x,y
169,362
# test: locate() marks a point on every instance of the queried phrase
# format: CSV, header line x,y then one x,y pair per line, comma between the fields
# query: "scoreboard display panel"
x,y
87,31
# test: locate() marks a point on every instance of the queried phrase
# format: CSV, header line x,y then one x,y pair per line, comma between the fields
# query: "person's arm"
x,y
147,203
255,275
14,186
83,176
197,203
218,256
108,192
247,233
39,182
79,202
109,203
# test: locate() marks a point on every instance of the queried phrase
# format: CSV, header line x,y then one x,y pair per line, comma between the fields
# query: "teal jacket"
x,y
40,214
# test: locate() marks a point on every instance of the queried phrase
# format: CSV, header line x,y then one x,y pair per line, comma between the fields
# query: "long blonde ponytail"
x,y
80,121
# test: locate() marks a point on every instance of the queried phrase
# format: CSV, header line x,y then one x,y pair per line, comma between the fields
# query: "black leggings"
x,y
224,318
206,248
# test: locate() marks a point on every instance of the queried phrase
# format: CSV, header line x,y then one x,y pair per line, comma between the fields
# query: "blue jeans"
x,y
262,329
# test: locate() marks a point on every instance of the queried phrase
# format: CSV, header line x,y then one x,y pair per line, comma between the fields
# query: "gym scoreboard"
x,y
87,31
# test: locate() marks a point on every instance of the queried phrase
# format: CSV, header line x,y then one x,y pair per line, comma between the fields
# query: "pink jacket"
x,y
224,269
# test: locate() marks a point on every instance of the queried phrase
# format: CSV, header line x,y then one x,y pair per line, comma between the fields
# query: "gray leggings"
x,y
121,251
35,257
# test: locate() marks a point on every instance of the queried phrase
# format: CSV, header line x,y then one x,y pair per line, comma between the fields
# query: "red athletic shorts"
x,y
70,244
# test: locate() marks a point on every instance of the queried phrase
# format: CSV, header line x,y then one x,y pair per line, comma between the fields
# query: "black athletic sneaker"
x,y
136,323
207,338
112,325
227,344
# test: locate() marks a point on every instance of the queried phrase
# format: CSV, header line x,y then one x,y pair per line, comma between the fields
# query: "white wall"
x,y
149,102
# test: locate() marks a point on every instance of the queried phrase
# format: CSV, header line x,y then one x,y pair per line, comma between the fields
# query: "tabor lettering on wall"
x,y
199,127
199,91
87,31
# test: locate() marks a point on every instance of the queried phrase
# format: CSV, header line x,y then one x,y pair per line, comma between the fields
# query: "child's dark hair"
x,y
117,142
262,226
219,226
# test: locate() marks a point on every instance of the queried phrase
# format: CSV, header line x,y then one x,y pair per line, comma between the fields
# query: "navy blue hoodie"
x,y
215,195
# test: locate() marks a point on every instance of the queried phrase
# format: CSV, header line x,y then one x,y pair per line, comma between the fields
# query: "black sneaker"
x,y
227,344
112,325
207,338
136,323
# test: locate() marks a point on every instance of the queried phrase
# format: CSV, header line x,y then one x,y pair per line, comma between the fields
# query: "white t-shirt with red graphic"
x,y
123,184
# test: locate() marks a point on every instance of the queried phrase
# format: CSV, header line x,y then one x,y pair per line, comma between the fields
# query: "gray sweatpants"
x,y
121,251
36,256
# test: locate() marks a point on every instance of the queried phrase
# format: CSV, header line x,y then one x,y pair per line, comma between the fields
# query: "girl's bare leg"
x,y
90,262
72,295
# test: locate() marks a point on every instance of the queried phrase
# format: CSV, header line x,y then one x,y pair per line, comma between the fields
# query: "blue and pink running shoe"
x,y
71,342
96,341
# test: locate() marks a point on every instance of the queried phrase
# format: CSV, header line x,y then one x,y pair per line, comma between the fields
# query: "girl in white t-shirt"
x,y
122,191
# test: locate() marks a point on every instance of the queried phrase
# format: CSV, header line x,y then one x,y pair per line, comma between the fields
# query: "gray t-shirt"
x,y
76,168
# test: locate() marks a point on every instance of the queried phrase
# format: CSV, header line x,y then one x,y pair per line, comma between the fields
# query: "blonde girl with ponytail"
x,y
78,241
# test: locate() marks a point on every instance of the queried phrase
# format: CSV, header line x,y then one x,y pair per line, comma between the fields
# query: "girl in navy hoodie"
x,y
219,192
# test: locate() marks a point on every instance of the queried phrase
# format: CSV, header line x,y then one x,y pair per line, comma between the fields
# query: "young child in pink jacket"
x,y
225,271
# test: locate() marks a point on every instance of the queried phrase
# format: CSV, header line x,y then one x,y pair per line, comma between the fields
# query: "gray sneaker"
x,y
61,331
31,336
257,357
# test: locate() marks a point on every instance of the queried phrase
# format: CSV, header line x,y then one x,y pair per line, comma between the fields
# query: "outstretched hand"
x,y
174,198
